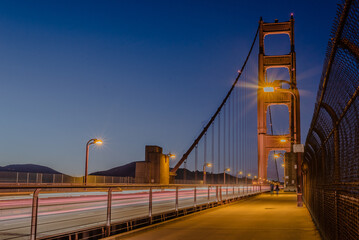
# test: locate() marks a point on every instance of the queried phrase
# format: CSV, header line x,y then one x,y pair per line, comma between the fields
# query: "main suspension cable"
x,y
195,143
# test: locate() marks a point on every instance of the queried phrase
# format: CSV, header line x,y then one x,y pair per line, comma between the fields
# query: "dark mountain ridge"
x,y
32,168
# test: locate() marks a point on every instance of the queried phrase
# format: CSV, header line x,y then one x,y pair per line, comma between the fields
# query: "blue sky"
x,y
133,73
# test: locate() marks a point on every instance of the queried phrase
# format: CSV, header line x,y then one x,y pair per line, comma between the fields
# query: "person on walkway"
x,y
271,188
277,188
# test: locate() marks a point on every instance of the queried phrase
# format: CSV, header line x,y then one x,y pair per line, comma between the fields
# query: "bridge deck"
x,y
262,217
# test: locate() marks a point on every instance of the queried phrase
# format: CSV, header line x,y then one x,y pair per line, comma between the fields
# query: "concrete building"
x,y
155,168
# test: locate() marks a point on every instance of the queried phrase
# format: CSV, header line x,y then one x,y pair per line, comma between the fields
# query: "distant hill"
x,y
33,168
190,175
128,170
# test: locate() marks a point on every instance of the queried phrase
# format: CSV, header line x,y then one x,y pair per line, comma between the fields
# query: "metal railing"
x,y
331,166
95,211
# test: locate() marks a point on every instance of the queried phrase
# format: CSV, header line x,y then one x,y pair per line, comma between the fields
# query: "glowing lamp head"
x,y
268,89
249,174
283,140
276,155
240,172
209,165
97,141
255,176
171,155
227,170
283,165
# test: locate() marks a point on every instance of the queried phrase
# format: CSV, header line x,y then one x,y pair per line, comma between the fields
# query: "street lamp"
x,y
239,173
90,142
224,174
204,171
171,155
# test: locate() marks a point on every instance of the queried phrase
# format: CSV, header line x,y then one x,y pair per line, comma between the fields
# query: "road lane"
x,y
64,214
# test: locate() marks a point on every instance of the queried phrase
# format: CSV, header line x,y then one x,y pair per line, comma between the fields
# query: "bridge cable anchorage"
x,y
185,156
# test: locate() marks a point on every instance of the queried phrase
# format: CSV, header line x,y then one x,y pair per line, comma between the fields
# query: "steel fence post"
x,y
35,209
217,194
109,205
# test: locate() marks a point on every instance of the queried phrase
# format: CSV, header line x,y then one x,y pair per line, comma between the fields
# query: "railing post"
x,y
217,194
233,192
35,208
109,205
150,206
220,193
176,201
226,193
195,197
208,196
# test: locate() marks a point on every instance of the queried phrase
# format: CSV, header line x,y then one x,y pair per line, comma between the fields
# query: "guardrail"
x,y
96,211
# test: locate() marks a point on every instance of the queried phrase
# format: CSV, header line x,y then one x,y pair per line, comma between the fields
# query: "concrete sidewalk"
x,y
262,217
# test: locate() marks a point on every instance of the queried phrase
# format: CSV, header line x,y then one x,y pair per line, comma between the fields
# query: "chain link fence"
x,y
26,177
331,158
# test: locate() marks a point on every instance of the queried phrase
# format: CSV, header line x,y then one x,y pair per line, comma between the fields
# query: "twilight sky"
x,y
133,73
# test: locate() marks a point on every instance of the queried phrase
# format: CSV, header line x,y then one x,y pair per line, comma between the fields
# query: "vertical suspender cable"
x,y
224,137
219,144
233,133
229,132
212,160
195,163
205,149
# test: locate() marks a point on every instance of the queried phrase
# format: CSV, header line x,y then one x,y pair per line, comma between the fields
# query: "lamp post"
x,y
248,175
90,142
239,173
224,174
170,155
204,171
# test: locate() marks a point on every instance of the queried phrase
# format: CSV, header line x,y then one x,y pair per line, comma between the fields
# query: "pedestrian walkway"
x,y
262,217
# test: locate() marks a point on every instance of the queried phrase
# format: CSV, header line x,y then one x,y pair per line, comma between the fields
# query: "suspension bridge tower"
x,y
277,92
